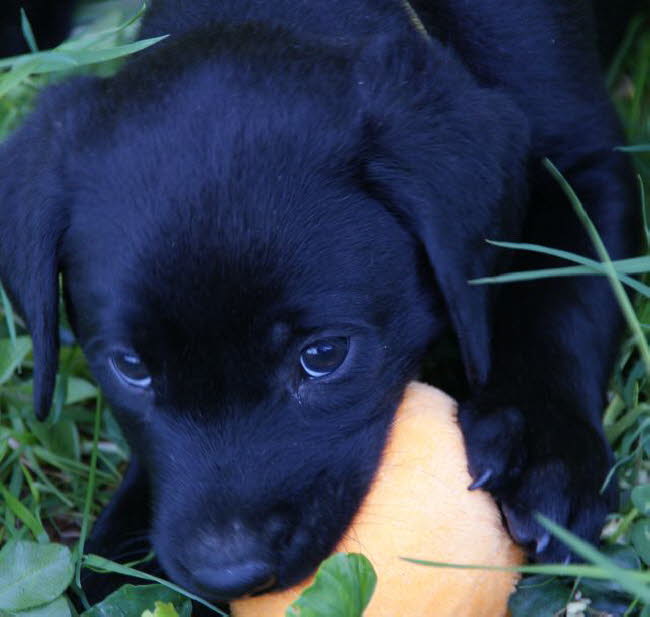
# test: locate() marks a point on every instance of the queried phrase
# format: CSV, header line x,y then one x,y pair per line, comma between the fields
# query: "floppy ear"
x,y
447,156
32,221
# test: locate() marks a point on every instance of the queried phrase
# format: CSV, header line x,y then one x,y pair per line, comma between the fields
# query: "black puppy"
x,y
263,222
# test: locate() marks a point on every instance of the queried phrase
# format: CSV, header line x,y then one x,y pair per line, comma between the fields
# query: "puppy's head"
x,y
255,258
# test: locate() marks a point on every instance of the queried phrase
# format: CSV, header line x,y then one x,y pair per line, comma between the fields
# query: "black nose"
x,y
235,580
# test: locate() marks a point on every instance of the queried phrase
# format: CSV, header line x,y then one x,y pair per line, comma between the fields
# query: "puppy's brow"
x,y
280,332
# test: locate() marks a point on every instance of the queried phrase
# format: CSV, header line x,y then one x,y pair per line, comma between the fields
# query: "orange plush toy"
x,y
419,507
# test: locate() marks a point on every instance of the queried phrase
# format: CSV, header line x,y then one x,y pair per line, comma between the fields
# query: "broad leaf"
x,y
58,608
539,596
641,498
163,609
12,355
134,600
79,390
60,438
33,574
343,587
623,556
640,536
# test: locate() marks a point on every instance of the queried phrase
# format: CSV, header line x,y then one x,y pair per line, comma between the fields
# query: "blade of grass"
x,y
18,73
635,148
63,57
635,264
636,585
593,269
66,464
106,565
584,571
86,41
619,291
19,510
33,489
9,316
93,56
632,265
605,570
42,476
617,429
99,37
630,609
640,78
28,33
415,19
15,486
85,522
10,460
644,214
615,67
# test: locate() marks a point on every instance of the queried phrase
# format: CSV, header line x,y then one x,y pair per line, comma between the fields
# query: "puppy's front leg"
x,y
533,429
121,533
534,432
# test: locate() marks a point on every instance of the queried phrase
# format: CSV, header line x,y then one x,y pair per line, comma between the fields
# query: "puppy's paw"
x,y
554,466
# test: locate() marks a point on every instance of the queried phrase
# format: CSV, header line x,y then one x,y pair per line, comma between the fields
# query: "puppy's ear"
x,y
447,156
32,221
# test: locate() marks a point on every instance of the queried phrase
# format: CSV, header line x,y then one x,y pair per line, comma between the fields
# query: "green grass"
x,y
56,476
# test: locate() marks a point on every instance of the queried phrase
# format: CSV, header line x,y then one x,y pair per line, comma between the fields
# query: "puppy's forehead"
x,y
229,254
261,249
245,186
161,123
204,211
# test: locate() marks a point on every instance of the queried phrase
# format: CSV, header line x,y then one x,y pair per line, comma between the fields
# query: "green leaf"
x,y
106,565
343,587
539,596
29,519
640,536
61,438
627,579
134,600
33,574
163,609
641,498
622,556
12,355
79,390
58,608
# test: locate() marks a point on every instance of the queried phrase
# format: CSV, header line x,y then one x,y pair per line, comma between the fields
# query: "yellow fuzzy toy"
x,y
419,507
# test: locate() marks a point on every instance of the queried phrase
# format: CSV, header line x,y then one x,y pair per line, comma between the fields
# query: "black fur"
x,y
275,173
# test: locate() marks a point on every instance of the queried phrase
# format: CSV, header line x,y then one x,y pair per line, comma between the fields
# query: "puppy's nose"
x,y
235,580
230,562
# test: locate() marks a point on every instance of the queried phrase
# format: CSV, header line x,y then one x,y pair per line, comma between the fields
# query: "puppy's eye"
x,y
130,369
324,357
